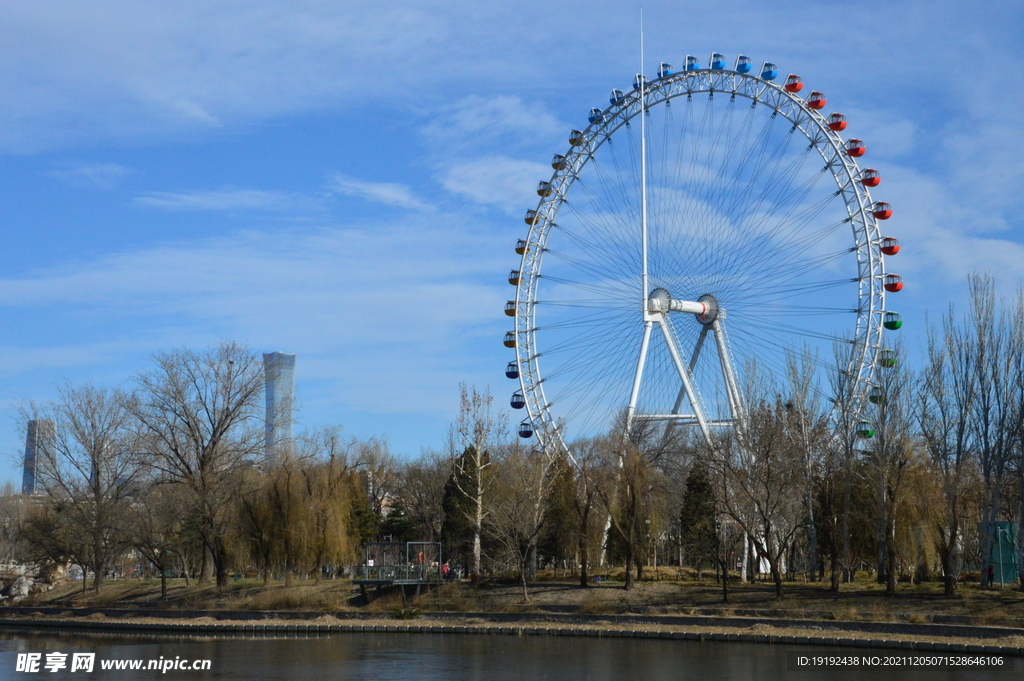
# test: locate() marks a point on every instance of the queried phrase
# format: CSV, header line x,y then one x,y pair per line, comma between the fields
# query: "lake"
x,y
449,657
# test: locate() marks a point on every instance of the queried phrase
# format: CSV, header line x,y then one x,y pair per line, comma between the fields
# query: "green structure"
x,y
1003,557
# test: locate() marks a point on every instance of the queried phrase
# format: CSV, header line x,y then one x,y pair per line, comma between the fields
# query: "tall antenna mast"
x,y
643,168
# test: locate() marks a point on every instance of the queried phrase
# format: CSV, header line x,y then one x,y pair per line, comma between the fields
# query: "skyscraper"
x,y
279,373
40,437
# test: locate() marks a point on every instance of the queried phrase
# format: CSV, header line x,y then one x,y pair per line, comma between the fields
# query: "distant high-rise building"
x,y
40,437
279,372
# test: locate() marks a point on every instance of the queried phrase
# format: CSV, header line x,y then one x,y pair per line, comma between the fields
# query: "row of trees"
x,y
174,470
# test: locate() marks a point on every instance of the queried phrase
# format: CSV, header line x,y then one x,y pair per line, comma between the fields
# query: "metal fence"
x,y
396,573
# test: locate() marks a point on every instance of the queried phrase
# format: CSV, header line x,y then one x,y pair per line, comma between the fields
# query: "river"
x,y
450,657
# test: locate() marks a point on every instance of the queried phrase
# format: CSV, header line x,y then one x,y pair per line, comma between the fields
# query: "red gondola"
x,y
855,147
870,178
890,245
881,210
837,122
794,83
893,283
816,100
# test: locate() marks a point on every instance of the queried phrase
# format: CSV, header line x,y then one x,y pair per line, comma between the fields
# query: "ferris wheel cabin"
x,y
890,245
794,83
517,401
881,210
837,122
816,100
870,177
893,283
855,147
743,64
717,61
769,71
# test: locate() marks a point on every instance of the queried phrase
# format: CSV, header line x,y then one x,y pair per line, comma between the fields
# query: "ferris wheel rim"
x,y
844,169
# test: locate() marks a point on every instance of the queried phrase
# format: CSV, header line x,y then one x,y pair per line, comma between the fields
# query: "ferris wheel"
x,y
704,227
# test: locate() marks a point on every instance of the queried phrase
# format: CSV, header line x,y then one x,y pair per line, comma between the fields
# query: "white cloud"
x,y
503,120
500,181
388,310
91,175
387,193
224,199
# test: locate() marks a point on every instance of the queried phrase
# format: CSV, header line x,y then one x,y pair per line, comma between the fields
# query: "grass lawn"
x,y
860,600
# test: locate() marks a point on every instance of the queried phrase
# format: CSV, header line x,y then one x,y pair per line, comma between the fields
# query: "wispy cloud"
x,y
90,175
223,200
324,294
387,193
477,120
500,181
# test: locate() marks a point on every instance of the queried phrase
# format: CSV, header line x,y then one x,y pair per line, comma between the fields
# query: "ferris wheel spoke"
x,y
599,303
759,224
620,265
793,268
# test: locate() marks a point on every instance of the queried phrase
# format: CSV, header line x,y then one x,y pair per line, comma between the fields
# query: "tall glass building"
x,y
279,373
40,437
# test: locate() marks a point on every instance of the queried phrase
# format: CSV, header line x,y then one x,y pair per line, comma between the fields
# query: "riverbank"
x,y
917,637
860,601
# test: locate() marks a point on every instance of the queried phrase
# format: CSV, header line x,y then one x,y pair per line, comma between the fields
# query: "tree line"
x,y
173,474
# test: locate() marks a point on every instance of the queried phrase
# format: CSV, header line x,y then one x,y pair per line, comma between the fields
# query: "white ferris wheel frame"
x,y
867,237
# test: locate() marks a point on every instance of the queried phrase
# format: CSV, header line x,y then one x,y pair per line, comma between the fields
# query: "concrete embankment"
x,y
888,635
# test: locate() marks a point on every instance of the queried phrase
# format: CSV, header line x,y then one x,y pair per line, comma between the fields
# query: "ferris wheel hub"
x,y
705,308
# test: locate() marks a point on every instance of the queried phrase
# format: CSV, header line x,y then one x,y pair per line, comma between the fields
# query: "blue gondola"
x,y
525,430
717,61
743,64
665,70
638,79
616,97
512,370
595,115
769,72
692,63
517,401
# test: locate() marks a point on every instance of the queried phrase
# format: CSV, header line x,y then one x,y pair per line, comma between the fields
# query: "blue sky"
x,y
346,180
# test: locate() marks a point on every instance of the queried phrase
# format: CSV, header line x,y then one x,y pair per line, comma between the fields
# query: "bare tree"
x,y
474,433
945,401
89,471
155,528
842,446
887,464
994,415
806,427
202,414
420,491
763,485
517,512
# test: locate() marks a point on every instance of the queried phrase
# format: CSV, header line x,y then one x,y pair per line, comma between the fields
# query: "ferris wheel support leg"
x,y
736,405
684,376
671,425
638,377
